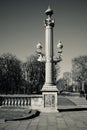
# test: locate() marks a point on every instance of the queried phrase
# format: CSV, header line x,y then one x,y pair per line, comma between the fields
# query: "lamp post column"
x,y
49,23
49,90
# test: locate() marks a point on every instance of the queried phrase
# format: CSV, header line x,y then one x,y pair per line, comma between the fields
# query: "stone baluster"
x,y
21,101
12,101
26,101
3,101
6,101
10,98
15,101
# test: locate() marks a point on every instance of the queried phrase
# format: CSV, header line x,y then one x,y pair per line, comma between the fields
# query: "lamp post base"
x,y
49,98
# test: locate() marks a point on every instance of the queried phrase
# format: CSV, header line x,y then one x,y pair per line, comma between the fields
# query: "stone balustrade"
x,y
18,100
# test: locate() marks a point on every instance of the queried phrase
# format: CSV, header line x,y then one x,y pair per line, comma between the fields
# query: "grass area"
x,y
13,112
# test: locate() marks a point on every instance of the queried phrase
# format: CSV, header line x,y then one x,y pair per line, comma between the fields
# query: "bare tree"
x,y
67,76
10,73
79,69
34,73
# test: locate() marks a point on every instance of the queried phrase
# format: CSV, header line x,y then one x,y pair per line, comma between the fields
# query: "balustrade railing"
x,y
17,100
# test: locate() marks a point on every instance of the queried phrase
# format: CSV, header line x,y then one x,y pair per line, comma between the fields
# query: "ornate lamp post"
x,y
49,90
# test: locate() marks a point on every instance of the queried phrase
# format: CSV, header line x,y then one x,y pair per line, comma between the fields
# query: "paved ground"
x,y
66,102
70,120
56,121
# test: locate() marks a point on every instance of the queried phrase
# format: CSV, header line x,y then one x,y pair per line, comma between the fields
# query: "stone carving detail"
x,y
49,100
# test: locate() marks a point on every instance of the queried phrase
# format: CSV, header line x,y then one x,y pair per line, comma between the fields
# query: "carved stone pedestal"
x,y
49,99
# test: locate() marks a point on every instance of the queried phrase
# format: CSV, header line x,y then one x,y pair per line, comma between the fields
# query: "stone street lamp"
x,y
49,90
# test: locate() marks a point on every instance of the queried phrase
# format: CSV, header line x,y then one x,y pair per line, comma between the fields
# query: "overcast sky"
x,y
22,26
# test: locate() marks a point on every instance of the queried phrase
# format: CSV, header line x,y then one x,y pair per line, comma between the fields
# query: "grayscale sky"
x,y
22,26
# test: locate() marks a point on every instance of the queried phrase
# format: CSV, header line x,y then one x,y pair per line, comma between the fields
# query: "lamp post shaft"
x,y
49,78
49,24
